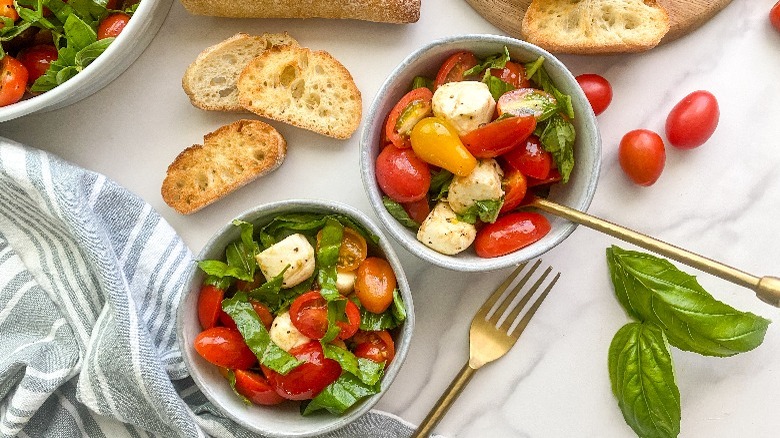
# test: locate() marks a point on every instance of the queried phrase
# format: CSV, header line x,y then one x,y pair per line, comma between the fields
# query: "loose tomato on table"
x,y
225,347
209,305
453,68
256,388
515,187
774,16
377,346
112,25
510,233
642,156
375,284
36,60
531,158
402,175
307,380
513,74
413,107
13,79
597,90
499,137
693,120
436,142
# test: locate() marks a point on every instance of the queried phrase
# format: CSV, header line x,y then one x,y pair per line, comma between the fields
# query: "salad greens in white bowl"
x,y
439,99
81,63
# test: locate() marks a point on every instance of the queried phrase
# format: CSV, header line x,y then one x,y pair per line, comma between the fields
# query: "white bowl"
x,y
138,33
283,420
577,193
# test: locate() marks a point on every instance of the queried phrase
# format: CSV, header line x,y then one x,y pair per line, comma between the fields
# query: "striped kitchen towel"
x,y
89,279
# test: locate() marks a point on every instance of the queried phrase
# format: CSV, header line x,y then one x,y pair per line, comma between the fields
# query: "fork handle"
x,y
445,401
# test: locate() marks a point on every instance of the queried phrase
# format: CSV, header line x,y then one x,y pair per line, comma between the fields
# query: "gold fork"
x,y
491,335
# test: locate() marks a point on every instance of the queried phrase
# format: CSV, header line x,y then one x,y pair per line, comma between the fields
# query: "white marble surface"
x,y
722,200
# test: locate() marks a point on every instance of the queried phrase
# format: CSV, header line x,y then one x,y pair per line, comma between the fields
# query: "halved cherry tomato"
x,y
499,137
510,233
436,142
402,175
308,379
527,101
309,314
209,305
225,347
374,284
554,177
8,10
513,74
261,309
377,346
36,60
693,120
413,107
515,186
642,156
13,79
597,90
417,210
352,252
453,68
256,388
531,158
352,324
112,25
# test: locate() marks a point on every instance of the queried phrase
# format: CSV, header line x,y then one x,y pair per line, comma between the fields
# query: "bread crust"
x,y
387,11
229,158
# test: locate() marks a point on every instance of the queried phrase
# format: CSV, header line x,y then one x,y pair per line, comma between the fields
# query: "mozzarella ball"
x,y
284,334
483,183
294,251
442,231
345,282
466,105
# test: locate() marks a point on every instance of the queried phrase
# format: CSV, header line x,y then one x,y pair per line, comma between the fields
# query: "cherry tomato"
x,y
531,158
256,388
7,10
374,284
225,347
510,233
499,137
209,305
553,177
693,120
36,60
308,379
13,79
527,101
261,309
417,210
453,68
376,346
642,156
352,252
412,108
352,324
112,25
774,16
309,314
437,143
515,187
513,74
402,175
246,286
597,90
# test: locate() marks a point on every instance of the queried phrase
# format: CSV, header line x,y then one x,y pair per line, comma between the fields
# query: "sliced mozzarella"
x,y
483,183
443,232
294,251
284,334
345,282
466,105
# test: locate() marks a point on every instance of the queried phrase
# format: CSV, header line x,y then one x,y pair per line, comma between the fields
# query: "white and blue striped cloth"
x,y
89,279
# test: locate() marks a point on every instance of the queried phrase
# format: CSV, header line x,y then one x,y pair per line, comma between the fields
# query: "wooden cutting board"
x,y
685,15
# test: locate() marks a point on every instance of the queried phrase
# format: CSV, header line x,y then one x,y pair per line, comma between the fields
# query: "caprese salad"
x,y
44,43
460,152
301,309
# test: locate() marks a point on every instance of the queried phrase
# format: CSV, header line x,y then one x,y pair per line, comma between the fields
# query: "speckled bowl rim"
x,y
195,364
374,124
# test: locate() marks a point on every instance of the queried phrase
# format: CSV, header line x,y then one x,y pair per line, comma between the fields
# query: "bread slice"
x,y
210,81
229,158
386,11
595,26
305,88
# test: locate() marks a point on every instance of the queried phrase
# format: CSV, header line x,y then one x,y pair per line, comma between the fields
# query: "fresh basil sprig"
x,y
387,320
397,211
485,210
340,395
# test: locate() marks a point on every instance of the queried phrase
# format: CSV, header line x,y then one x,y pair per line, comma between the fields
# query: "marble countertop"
x,y
721,200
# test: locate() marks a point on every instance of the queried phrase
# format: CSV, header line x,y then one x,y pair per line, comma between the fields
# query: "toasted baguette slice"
x,y
387,11
229,158
308,89
210,81
595,26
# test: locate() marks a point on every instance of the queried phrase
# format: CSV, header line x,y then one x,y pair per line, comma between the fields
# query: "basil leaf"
x,y
88,54
498,60
557,138
340,395
218,282
274,297
307,224
485,210
398,308
328,256
440,184
256,336
336,312
219,268
421,82
497,86
78,33
642,377
397,211
231,376
370,372
387,320
345,358
653,290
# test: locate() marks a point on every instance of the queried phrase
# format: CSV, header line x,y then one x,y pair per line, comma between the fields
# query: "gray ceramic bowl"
x,y
577,193
283,420
138,33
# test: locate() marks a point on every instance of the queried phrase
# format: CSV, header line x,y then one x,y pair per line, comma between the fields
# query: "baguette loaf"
x,y
229,158
595,26
210,81
305,88
388,11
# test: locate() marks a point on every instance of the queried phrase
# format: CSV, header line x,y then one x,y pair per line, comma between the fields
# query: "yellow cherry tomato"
x,y
437,143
